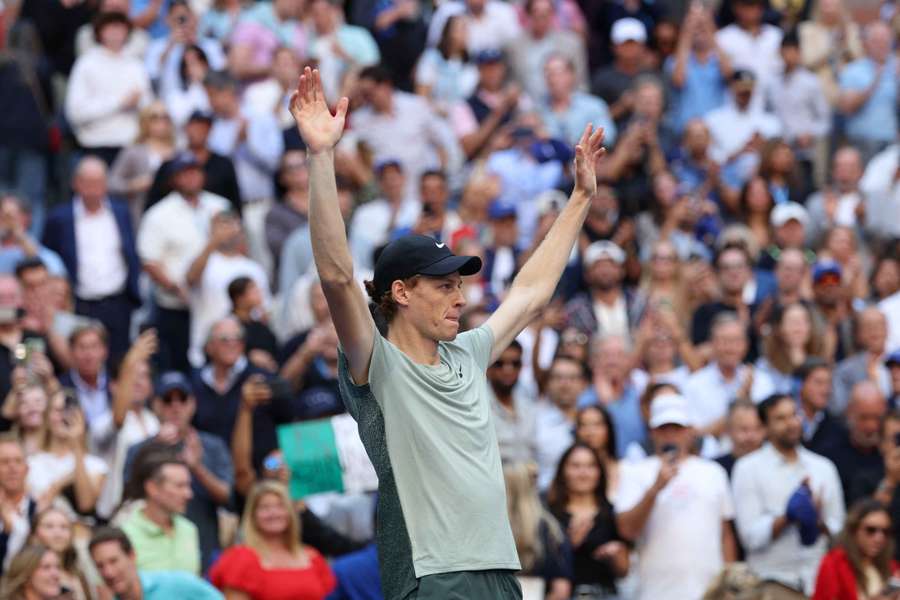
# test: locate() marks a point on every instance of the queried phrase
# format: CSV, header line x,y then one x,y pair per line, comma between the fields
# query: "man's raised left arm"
x,y
533,287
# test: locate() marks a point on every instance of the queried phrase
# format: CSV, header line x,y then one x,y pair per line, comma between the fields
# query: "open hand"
x,y
588,152
319,129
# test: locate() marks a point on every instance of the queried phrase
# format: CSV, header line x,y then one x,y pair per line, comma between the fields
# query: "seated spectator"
x,y
842,245
88,377
868,93
828,41
436,219
34,574
63,466
17,506
26,408
699,70
218,388
555,415
259,32
116,561
512,408
492,23
566,111
832,310
336,46
93,235
594,427
792,339
273,93
820,427
133,171
249,303
106,88
164,55
272,562
867,364
222,260
16,244
135,44
131,390
53,528
189,95
542,38
212,473
617,385
675,507
696,172
292,210
164,539
13,333
783,494
659,348
745,431
784,176
861,564
857,448
881,483
577,498
502,255
752,44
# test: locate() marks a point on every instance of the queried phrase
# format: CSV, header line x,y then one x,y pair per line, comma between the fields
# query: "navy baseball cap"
x,y
171,381
501,209
489,55
419,255
201,115
183,160
893,358
824,268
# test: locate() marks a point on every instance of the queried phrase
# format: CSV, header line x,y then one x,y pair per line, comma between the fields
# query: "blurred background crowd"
x,y
708,409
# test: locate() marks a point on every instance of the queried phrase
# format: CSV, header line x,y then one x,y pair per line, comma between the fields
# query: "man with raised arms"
x,y
420,393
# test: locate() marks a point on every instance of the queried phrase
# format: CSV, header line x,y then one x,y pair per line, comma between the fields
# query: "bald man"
x,y
93,236
867,364
857,450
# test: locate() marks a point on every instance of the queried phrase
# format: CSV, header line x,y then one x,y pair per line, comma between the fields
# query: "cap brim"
x,y
670,418
464,265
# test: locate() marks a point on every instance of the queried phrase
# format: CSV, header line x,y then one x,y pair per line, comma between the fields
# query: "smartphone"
x,y
669,453
20,354
8,314
71,400
273,462
280,387
893,586
34,346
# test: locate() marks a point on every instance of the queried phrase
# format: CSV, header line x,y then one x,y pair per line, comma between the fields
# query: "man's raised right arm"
x,y
321,131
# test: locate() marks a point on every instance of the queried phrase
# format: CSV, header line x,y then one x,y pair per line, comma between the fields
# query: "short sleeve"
x,y
853,78
150,242
479,342
727,506
633,486
322,570
238,568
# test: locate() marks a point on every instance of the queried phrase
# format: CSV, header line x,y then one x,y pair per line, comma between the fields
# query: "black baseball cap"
x,y
183,160
415,254
171,381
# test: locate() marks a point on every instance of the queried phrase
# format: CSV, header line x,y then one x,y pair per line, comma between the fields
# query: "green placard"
x,y
310,451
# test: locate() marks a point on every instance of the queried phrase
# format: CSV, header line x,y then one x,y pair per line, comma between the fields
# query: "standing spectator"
x,y
493,24
260,30
828,42
699,71
292,211
861,565
170,237
745,430
733,267
793,338
868,93
93,235
17,506
882,483
164,540
271,533
675,507
857,448
565,110
753,45
613,83
106,88
577,498
115,558
207,457
513,411
594,427
16,244
132,174
555,415
842,202
189,95
607,307
273,93
444,74
820,427
783,493
868,363
12,332
542,38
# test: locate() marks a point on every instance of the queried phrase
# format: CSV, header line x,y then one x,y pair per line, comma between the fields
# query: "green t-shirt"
x,y
429,433
157,550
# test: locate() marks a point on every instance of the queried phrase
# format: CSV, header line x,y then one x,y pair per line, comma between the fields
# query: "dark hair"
x,y
743,204
182,64
790,39
90,327
385,307
111,534
891,416
26,264
610,448
810,366
444,44
147,464
847,539
108,18
377,73
585,370
237,288
433,173
220,80
767,405
513,345
558,493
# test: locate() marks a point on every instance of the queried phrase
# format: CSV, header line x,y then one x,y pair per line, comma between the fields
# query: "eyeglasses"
x,y
664,257
575,338
871,530
732,266
516,364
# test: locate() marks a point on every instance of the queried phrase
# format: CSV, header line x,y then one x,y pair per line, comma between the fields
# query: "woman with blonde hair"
x,y
34,574
271,564
793,337
828,42
26,407
132,172
53,528
540,542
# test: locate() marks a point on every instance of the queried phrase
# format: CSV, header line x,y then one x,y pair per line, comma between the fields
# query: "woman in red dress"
x,y
271,564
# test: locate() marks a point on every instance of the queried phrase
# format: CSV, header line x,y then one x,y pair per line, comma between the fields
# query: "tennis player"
x,y
420,393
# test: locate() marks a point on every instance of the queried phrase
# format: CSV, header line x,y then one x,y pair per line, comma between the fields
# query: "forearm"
x,y
327,230
195,272
86,492
541,273
632,522
242,450
122,396
295,368
158,275
218,489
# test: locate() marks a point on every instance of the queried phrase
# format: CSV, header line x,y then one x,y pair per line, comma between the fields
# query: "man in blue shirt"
x,y
114,556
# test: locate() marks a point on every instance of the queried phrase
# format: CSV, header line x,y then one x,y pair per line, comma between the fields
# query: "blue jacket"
x,y
59,236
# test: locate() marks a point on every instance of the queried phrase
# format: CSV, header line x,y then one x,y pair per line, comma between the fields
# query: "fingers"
x,y
342,105
585,136
317,87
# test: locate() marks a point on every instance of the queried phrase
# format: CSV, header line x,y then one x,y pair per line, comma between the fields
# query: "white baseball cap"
x,y
603,249
669,409
787,211
628,29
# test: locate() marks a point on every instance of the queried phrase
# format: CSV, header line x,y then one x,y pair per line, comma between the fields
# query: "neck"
x,y
569,411
808,409
752,28
191,198
733,298
606,296
417,347
582,499
201,152
158,515
628,66
788,452
90,379
727,371
243,314
92,206
221,372
560,101
134,591
14,497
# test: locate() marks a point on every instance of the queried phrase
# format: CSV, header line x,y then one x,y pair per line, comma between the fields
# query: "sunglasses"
x,y
168,399
829,279
517,364
871,530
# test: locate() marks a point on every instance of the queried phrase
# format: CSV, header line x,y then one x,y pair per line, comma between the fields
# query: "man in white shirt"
x,y
17,508
172,234
675,507
752,45
788,500
842,203
880,189
555,415
491,24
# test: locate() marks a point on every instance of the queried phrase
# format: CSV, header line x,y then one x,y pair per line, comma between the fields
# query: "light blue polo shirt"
x,y
876,120
167,585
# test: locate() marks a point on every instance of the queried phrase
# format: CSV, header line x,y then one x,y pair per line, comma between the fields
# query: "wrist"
x,y
324,154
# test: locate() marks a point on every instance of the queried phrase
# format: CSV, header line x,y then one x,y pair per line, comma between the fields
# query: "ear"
x,y
400,293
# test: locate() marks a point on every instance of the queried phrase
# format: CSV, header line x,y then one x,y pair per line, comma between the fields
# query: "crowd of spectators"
x,y
709,406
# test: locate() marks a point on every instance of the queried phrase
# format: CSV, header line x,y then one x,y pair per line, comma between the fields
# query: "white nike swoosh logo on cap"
x,y
439,244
